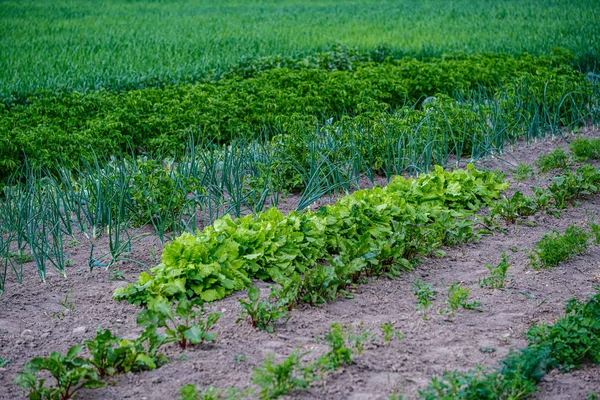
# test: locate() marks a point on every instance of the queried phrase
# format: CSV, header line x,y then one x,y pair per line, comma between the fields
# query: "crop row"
x,y
476,98
116,46
379,231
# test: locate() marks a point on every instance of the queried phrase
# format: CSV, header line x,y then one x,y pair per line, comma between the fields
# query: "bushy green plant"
x,y
517,206
575,337
70,372
556,247
184,326
111,355
557,159
585,181
585,149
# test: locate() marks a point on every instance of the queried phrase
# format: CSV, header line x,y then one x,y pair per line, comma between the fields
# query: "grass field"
x,y
123,44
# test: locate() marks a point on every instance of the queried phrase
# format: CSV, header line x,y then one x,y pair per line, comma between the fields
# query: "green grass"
x,y
66,45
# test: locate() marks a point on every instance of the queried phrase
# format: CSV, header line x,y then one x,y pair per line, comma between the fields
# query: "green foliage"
x,y
389,332
70,372
585,149
458,298
4,362
425,295
343,343
513,208
522,172
557,159
316,255
339,353
184,326
276,380
262,313
555,247
497,276
190,392
574,338
569,186
202,37
111,355
62,129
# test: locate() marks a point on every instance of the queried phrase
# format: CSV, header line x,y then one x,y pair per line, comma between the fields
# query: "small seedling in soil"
x,y
389,332
117,275
263,314
20,257
185,326
457,298
522,172
555,248
3,362
343,343
67,306
277,380
70,372
190,392
497,276
339,353
425,294
241,358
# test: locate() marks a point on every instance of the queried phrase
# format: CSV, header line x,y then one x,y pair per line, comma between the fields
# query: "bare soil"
x,y
33,321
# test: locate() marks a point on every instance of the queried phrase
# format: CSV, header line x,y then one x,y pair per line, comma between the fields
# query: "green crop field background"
x,y
81,45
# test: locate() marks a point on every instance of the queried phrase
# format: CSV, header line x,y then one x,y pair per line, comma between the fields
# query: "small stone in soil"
x,y
79,330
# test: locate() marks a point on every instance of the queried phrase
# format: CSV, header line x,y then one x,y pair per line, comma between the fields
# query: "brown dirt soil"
x,y
33,322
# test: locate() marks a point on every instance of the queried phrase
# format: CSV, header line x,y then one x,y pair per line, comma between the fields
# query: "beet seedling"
x,y
262,313
112,355
4,362
71,373
192,330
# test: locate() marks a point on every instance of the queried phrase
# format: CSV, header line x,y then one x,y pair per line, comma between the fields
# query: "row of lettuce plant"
x,y
370,232
528,93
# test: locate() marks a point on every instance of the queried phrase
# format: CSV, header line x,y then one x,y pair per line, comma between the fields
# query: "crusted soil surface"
x,y
36,318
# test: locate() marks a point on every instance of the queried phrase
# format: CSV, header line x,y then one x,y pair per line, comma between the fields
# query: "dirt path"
x,y
33,322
